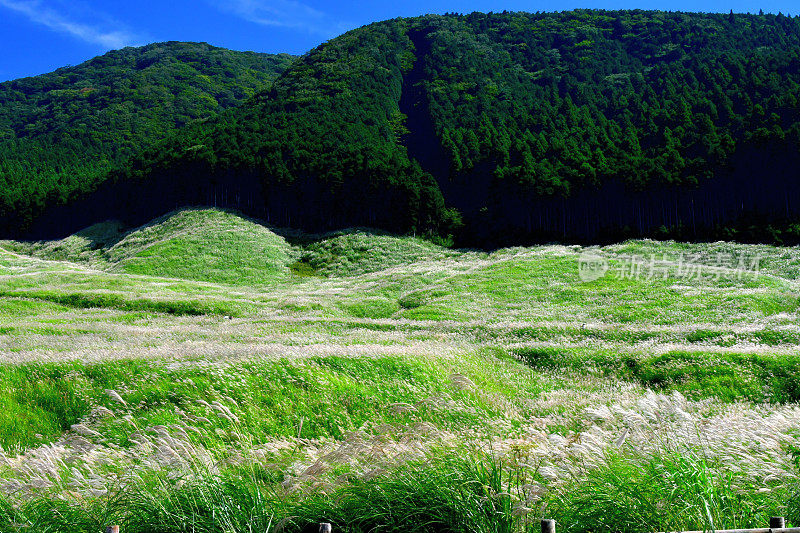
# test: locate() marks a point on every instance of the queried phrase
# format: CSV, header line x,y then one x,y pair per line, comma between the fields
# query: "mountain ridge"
x,y
61,132
506,128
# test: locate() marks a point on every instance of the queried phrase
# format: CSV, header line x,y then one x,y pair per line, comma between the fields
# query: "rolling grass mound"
x,y
361,251
86,246
194,244
204,245
213,245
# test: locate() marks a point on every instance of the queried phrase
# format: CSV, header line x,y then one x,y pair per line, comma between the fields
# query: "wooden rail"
x,y
777,524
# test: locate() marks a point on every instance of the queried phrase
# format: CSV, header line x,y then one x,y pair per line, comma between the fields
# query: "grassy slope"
x,y
222,247
202,245
352,252
399,351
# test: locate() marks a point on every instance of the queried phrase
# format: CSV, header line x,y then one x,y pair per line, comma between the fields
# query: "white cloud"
x,y
282,13
99,34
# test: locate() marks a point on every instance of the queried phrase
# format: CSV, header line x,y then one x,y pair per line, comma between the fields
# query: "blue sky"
x,y
38,36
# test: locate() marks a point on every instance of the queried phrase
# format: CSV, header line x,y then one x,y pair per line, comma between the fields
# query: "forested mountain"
x,y
62,132
504,128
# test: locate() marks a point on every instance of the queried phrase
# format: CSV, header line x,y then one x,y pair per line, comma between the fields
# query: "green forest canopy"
x,y
61,133
493,126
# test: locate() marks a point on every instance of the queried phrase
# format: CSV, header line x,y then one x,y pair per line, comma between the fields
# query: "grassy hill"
x,y
360,251
61,133
471,390
220,246
204,245
193,244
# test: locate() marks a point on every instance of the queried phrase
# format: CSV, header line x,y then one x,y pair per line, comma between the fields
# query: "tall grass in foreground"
x,y
674,492
457,492
412,498
452,496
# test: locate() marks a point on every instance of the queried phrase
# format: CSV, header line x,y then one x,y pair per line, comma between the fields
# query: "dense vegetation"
x,y
61,132
516,125
205,372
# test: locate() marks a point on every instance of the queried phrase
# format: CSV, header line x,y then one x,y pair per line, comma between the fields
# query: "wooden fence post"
x,y
325,527
112,529
777,522
548,526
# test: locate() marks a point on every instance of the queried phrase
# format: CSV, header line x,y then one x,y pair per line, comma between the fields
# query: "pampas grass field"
x,y
208,373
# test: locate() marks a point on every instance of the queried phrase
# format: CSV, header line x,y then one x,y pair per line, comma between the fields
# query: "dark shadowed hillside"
x,y
61,133
502,128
